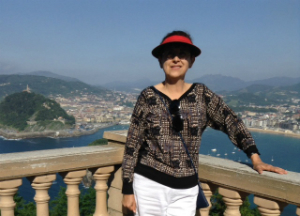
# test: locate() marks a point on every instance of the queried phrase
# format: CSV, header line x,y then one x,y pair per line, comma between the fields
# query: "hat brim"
x,y
157,51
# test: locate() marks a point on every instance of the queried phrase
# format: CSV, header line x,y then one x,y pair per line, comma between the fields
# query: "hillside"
x,y
215,82
263,95
18,108
53,75
46,86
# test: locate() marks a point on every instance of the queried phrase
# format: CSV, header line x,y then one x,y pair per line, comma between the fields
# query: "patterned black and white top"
x,y
153,149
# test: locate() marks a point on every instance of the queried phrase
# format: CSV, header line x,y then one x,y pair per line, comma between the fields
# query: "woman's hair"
x,y
180,33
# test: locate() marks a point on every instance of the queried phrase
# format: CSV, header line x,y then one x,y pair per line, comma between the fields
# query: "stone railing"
x,y
40,167
235,181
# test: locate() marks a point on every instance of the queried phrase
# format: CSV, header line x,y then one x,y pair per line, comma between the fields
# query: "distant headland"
x,y
29,115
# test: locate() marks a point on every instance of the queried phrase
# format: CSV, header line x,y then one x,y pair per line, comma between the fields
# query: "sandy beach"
x,y
287,133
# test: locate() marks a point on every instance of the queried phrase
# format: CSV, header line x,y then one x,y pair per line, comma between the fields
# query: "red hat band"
x,y
156,52
177,38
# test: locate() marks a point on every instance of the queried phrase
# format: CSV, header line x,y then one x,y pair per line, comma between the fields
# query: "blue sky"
x,y
101,41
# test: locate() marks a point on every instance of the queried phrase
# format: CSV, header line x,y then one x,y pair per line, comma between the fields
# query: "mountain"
x,y
276,81
133,86
45,85
255,88
263,95
18,108
220,82
295,88
214,82
53,75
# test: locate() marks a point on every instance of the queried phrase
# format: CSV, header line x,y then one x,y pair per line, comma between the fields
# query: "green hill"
x,y
263,95
46,86
18,108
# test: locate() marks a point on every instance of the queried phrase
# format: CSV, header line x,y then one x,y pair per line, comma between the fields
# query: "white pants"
x,y
154,199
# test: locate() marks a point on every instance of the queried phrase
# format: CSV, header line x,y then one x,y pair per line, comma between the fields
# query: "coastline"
x,y
76,133
52,134
269,131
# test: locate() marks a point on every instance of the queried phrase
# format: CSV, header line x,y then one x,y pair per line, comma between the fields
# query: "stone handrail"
x,y
40,167
234,180
272,192
35,163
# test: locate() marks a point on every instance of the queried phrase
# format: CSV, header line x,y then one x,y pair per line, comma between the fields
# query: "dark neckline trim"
x,y
167,97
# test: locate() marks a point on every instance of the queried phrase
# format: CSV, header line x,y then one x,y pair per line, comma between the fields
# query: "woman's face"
x,y
175,60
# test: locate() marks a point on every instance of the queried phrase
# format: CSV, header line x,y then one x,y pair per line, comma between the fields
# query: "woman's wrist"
x,y
255,158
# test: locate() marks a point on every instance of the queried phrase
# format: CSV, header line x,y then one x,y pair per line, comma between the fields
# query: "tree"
x,y
23,208
218,207
87,202
102,141
59,205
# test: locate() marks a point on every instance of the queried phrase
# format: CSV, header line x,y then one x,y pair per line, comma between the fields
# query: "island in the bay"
x,y
28,115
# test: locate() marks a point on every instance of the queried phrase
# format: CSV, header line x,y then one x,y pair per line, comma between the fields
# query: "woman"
x,y
158,178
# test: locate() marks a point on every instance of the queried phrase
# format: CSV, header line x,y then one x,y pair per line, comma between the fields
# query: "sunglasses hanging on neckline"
x,y
177,120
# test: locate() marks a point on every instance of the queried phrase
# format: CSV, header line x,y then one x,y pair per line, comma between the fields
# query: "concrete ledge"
x,y
118,136
35,163
242,177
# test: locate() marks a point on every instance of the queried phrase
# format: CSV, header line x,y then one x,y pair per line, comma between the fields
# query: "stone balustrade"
x,y
40,167
234,180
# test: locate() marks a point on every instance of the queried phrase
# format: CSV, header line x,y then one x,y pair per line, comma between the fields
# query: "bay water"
x,y
277,150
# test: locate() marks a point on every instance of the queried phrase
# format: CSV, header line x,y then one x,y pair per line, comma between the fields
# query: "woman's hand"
x,y
129,203
260,166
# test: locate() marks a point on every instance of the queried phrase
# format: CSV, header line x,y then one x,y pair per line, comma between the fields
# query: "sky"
x,y
100,41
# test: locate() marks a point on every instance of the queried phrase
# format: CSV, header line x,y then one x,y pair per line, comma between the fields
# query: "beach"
x,y
285,133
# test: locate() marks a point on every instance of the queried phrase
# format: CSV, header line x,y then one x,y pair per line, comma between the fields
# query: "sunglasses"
x,y
170,54
177,121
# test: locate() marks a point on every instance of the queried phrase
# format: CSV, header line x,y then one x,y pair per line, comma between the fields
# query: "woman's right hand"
x,y
129,203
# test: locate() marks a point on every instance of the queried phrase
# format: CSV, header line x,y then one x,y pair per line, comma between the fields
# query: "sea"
x,y
278,150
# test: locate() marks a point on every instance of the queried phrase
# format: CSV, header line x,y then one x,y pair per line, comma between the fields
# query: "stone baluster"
x,y
101,176
8,189
41,184
208,190
233,200
298,211
73,179
268,207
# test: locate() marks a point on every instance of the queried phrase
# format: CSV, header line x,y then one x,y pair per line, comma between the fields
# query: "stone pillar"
x,y
269,207
41,184
72,180
298,210
8,189
233,200
208,190
101,176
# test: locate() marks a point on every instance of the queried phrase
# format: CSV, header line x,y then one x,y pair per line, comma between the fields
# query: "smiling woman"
x,y
175,61
162,147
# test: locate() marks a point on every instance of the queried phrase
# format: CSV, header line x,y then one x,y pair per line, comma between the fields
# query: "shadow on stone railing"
x,y
235,181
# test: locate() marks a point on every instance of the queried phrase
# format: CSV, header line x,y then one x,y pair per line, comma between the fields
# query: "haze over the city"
x,y
103,41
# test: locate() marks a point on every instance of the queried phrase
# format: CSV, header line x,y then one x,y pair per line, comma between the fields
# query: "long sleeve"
x,y
221,117
133,143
